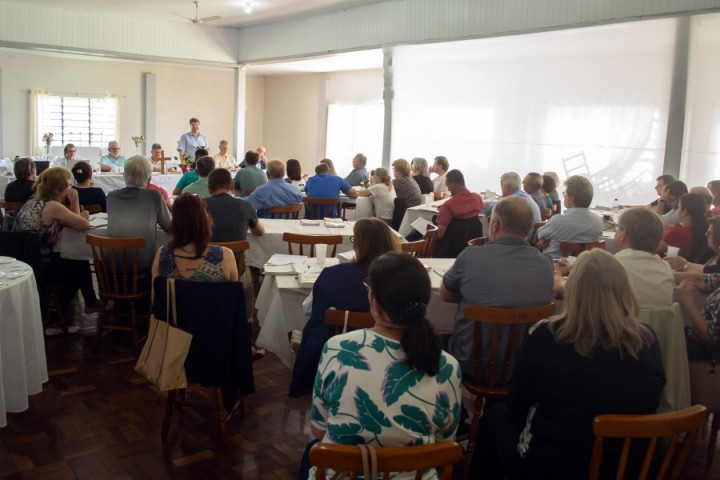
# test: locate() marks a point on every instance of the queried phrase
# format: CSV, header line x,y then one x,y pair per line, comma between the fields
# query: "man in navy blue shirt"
x,y
326,185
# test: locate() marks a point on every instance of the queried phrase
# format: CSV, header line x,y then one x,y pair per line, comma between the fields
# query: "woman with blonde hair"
x,y
383,195
44,215
405,186
340,286
592,358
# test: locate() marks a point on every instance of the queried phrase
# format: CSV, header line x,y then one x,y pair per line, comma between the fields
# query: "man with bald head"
x,y
276,192
506,272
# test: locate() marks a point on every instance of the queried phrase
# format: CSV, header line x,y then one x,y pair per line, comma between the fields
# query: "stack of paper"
x,y
307,278
307,221
283,264
345,257
334,223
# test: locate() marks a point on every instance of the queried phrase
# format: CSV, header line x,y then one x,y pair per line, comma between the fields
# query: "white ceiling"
x,y
231,11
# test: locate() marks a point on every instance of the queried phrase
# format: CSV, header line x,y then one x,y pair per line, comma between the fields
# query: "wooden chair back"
x,y
477,242
355,320
416,458
93,208
288,212
681,427
507,333
416,249
311,240
8,206
574,249
319,208
116,263
238,247
431,238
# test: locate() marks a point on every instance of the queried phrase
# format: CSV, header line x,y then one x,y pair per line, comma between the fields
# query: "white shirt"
x,y
439,184
671,217
383,200
224,161
650,276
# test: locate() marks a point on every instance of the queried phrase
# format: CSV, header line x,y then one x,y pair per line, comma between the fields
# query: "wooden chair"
x,y
431,238
416,458
477,242
287,212
574,249
494,383
681,427
93,208
704,387
116,262
311,240
8,206
416,249
238,247
319,208
220,355
355,320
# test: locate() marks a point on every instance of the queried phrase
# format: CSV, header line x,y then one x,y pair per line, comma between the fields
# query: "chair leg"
x,y
133,323
222,416
474,427
715,426
168,414
100,324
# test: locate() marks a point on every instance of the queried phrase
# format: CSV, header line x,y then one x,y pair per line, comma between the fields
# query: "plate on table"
x,y
4,260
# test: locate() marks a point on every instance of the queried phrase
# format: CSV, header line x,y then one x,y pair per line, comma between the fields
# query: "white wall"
x,y
295,117
254,113
182,92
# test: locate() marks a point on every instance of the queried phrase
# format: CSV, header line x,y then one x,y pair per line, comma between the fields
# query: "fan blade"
x,y
209,19
182,16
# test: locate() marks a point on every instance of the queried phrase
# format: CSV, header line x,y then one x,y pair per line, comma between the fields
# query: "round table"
x,y
23,366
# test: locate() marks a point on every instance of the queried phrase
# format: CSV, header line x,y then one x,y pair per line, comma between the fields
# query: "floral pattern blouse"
x,y
711,312
211,270
365,392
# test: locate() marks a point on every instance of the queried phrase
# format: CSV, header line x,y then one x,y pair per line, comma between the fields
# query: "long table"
x,y
279,306
23,366
113,181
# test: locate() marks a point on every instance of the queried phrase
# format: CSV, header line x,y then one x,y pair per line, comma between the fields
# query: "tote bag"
x,y
162,360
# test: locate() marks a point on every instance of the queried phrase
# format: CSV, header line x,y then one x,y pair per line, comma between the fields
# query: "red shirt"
x,y
465,204
162,192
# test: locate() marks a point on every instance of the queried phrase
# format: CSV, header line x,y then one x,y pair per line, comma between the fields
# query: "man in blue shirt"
x,y
192,140
510,185
276,192
325,185
113,158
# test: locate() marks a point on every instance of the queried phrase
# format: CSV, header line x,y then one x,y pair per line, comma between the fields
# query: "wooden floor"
x,y
96,418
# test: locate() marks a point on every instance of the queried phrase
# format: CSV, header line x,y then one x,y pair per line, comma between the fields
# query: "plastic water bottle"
x,y
616,206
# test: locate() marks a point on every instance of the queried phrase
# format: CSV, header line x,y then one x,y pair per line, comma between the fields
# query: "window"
x,y
79,120
353,129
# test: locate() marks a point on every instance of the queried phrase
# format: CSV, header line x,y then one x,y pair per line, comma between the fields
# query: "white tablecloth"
x,y
262,248
4,180
109,182
23,367
279,305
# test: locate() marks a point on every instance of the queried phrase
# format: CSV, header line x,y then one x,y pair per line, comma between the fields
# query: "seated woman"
x,y
341,287
88,194
405,187
424,409
591,359
21,189
43,216
383,195
294,174
136,211
689,236
188,255
712,265
419,168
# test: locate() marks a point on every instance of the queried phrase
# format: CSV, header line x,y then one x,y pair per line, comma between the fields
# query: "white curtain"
x,y
35,127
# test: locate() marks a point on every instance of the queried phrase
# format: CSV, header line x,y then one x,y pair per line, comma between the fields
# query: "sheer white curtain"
x,y
34,119
701,146
539,102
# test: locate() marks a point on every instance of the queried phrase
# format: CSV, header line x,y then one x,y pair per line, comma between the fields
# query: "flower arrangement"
x,y
47,139
138,140
185,162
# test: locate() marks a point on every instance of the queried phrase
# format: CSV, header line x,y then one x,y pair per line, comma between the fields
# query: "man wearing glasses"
x,y
69,156
113,158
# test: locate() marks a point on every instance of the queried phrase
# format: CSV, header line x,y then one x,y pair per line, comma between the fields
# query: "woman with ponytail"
x,y
390,385
689,236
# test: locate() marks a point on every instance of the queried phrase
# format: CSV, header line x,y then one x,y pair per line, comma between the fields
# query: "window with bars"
x,y
84,121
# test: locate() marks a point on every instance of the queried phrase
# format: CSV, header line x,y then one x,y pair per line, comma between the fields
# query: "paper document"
x,y
420,224
345,257
98,220
334,223
307,278
284,264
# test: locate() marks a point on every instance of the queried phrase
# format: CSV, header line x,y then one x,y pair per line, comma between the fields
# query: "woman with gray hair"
x,y
136,211
420,175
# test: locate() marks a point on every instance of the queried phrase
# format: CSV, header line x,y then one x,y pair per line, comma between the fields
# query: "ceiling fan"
x,y
196,19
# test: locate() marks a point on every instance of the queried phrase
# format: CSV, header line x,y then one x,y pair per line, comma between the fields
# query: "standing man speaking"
x,y
192,140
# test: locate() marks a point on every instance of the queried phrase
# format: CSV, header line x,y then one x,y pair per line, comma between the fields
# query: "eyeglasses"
x,y
114,148
72,151
367,286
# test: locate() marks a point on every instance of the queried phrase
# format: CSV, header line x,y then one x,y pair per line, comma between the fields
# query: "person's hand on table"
x,y
85,214
562,267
